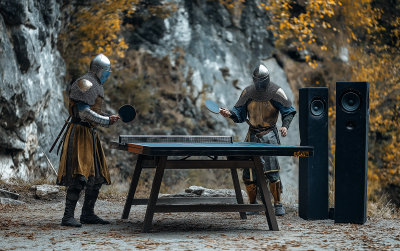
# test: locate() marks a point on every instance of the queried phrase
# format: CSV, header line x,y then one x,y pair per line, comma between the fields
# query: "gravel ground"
x,y
36,226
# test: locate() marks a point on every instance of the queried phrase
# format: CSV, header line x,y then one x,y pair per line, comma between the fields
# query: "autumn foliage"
x,y
92,27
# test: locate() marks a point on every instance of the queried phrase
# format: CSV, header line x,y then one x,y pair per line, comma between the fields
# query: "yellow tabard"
x,y
262,113
83,150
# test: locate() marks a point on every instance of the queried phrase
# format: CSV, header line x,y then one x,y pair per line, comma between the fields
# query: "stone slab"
x,y
7,194
8,201
45,191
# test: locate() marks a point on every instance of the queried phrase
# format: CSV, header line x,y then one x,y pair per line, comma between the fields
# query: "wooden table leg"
x,y
262,184
151,205
238,191
132,189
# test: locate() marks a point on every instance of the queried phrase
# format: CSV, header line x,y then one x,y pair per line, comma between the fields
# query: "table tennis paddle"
x,y
127,113
212,106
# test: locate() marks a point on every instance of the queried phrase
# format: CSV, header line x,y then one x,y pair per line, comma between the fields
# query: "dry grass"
x,y
290,195
382,209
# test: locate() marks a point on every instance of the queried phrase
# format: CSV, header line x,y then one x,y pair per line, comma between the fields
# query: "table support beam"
x,y
155,189
132,189
238,191
202,164
266,199
187,200
208,208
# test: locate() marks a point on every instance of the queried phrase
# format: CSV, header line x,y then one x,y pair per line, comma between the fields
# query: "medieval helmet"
x,y
261,78
101,66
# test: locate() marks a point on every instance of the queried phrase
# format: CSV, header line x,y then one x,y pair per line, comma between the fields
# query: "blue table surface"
x,y
212,145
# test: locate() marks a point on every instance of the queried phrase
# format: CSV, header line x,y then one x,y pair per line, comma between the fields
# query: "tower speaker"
x,y
313,171
352,113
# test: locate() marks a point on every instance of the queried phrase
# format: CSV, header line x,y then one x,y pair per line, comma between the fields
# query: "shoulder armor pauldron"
x,y
84,85
281,93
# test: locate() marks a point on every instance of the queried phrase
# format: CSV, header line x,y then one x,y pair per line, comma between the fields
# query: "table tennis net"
x,y
174,139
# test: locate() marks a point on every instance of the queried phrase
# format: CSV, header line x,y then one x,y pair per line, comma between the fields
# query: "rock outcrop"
x,y
31,85
213,51
45,191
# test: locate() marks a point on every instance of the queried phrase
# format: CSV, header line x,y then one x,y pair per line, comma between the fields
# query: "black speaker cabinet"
x,y
313,171
352,113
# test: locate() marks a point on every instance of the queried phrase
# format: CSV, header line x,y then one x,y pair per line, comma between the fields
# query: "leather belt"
x,y
261,131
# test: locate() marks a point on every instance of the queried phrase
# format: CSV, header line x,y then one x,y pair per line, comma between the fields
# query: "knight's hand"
x,y
225,112
283,131
114,119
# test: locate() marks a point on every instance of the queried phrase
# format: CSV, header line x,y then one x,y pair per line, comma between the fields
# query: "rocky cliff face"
x,y
31,86
206,51
221,49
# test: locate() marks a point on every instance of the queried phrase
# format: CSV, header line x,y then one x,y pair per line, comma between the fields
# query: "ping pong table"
x,y
154,151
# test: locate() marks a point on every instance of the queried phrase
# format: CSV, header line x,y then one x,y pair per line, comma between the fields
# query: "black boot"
x,y
88,216
70,204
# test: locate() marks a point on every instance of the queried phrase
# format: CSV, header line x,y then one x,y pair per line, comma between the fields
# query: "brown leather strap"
x,y
262,131
260,134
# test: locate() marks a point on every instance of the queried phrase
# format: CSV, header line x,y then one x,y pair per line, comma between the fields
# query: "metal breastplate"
x,y
262,114
97,105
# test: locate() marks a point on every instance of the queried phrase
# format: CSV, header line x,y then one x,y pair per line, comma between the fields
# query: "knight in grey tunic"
x,y
259,106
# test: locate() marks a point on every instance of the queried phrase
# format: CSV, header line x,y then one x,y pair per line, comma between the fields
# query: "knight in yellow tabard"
x,y
83,164
259,105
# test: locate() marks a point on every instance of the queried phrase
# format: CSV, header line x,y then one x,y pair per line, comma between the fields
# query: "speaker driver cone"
x,y
317,107
350,101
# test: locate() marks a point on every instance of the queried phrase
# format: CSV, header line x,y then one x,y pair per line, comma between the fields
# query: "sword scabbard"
x,y
55,142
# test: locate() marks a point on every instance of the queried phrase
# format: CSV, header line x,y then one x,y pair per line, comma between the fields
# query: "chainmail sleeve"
x,y
94,118
286,120
105,114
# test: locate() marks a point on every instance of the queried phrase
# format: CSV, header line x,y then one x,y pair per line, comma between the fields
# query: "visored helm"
x,y
101,66
261,78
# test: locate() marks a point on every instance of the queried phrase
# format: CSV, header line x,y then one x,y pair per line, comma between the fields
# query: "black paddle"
x,y
127,113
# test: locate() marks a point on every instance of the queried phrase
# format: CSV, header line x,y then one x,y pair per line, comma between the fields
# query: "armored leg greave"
x,y
70,204
251,190
276,190
88,216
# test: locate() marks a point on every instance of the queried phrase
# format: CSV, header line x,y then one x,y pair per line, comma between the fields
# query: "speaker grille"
x,y
317,107
350,101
